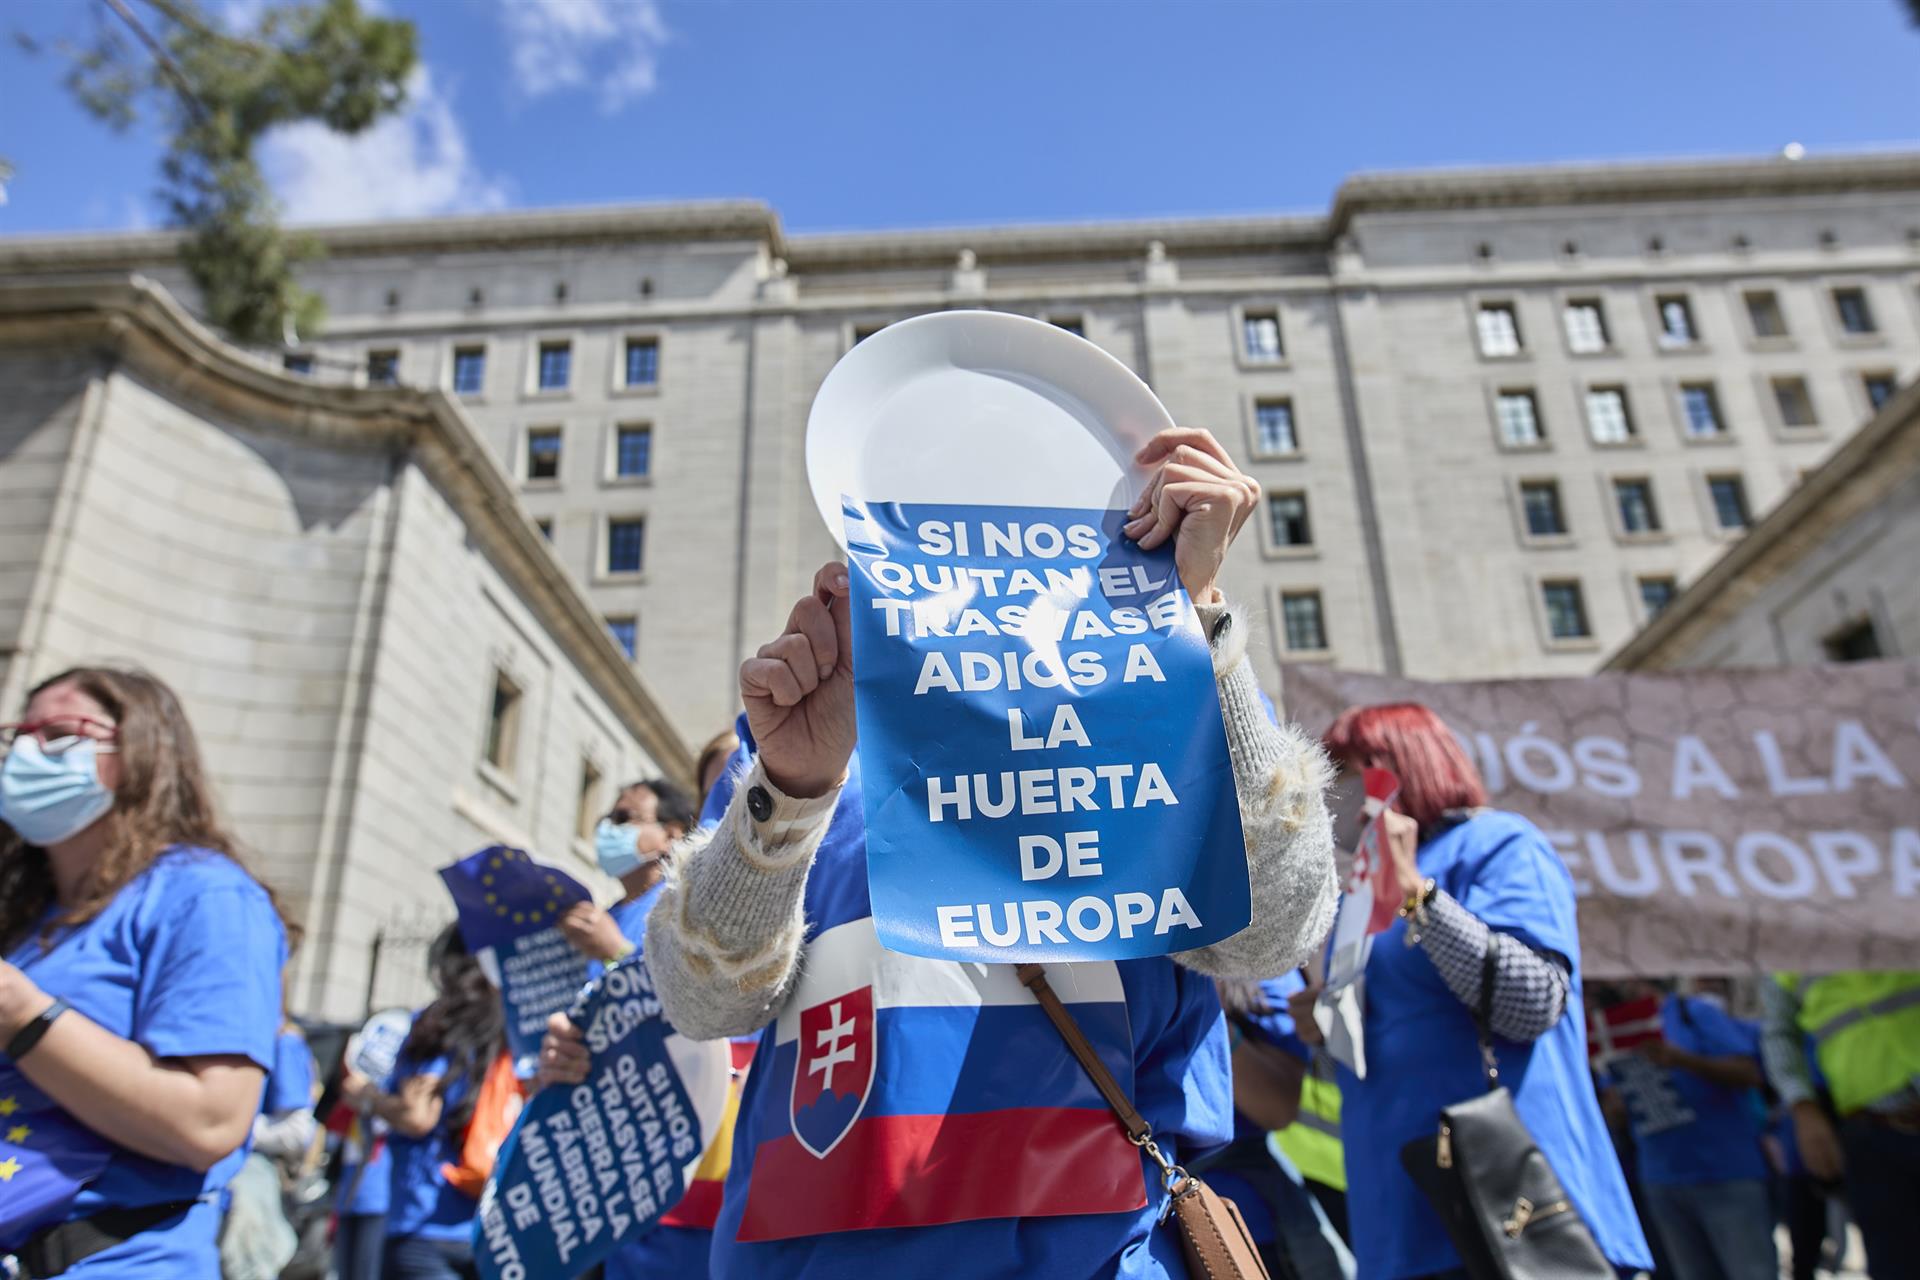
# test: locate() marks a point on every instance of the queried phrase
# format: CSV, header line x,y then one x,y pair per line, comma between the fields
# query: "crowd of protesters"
x,y
142,1008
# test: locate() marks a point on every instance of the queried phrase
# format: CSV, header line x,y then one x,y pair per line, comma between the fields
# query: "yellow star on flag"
x,y
18,1133
519,918
8,1168
8,1106
494,861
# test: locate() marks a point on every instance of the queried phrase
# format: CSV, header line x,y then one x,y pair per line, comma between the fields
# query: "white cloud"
x,y
408,165
611,46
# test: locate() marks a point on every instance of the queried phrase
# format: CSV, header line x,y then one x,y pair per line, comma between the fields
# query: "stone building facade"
x,y
384,665
1501,416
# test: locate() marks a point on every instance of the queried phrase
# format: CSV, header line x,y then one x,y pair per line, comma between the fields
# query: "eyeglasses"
x,y
60,734
621,816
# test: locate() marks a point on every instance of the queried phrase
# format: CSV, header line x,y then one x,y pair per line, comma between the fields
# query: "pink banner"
x,y
1714,821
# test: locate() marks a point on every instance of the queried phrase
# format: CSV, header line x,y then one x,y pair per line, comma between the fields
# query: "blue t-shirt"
x,y
1423,1053
366,1194
290,1082
420,1202
1274,1027
1722,1142
1167,1018
184,961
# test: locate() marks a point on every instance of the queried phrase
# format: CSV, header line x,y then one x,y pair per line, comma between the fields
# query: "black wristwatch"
x,y
28,1036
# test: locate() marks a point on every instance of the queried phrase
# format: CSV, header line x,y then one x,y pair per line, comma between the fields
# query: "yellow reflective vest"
x,y
1312,1141
1865,1029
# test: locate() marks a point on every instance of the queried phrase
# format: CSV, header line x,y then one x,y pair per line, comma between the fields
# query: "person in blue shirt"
x,y
361,1197
1701,1166
426,1105
140,993
1474,877
948,1130
630,844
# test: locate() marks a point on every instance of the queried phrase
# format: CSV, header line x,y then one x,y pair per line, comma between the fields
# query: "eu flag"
x,y
46,1156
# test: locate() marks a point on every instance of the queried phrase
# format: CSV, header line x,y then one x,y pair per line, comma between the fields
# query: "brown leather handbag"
x,y
1213,1235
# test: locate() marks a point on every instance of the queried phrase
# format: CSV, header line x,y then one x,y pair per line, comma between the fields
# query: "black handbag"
x,y
1503,1206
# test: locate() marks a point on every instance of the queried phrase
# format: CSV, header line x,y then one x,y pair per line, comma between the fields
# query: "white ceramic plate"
x,y
978,407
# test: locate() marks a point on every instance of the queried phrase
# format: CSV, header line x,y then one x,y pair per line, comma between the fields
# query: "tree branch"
x,y
162,58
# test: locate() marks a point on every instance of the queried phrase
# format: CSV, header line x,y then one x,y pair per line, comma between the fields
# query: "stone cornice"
x,y
137,321
1876,459
1054,242
1544,186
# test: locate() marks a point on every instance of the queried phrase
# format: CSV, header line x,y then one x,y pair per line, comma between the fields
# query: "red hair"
x,y
1416,745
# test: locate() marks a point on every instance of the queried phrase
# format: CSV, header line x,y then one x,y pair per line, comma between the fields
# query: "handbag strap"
x,y
1139,1133
1483,1011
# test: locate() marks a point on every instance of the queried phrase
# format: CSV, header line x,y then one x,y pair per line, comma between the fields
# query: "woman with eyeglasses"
x,y
140,994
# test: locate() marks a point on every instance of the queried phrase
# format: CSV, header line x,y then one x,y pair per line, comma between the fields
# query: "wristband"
x,y
28,1036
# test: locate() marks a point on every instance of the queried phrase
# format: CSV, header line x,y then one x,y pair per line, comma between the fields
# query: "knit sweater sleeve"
x,y
1280,775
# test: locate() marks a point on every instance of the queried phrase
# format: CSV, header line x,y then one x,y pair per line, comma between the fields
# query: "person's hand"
x,y
1401,835
21,1001
1659,1052
563,1052
1300,1009
1819,1144
357,1091
591,931
1198,498
798,691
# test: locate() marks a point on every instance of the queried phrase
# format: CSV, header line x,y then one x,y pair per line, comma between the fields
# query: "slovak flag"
x,y
921,1092
1623,1027
46,1156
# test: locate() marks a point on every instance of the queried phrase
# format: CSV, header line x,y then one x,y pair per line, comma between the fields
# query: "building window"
x,y
633,451
503,723
383,368
1701,408
469,370
1519,418
1656,594
861,332
1306,626
1540,499
1607,419
1764,314
1856,316
543,453
626,634
1634,500
545,526
1586,324
1499,329
1289,514
586,813
1071,324
1676,321
556,365
297,362
1566,610
1856,643
1261,333
626,545
1729,494
1273,427
643,362
1879,388
1796,406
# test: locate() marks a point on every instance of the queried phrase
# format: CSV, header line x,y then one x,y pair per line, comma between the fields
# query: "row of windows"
x,y
631,452
1610,420
552,368
625,548
1565,604
1545,515
1587,332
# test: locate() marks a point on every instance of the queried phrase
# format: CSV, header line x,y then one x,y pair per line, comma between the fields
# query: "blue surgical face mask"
x,y
48,797
616,845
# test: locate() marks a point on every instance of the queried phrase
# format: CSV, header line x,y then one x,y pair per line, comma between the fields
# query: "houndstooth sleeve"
x,y
1530,990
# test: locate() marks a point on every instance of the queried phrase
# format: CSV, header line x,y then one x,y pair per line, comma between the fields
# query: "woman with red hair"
x,y
1475,879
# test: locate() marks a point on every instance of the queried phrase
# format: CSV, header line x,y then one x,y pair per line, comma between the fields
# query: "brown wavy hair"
x,y
163,800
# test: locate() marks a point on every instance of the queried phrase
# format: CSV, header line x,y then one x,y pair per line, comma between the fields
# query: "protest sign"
x,y
46,1157
1044,767
1713,821
375,1047
592,1164
509,908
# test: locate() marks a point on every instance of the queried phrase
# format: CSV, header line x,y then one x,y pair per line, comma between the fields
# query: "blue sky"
x,y
851,115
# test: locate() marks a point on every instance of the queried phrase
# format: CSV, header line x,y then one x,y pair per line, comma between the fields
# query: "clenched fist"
x,y
798,691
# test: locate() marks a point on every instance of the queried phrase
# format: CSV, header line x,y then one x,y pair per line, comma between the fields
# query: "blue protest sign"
x,y
509,905
46,1157
1045,771
599,1162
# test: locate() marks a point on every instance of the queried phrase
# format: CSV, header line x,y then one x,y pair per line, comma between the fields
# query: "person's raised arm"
x,y
723,940
1199,499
